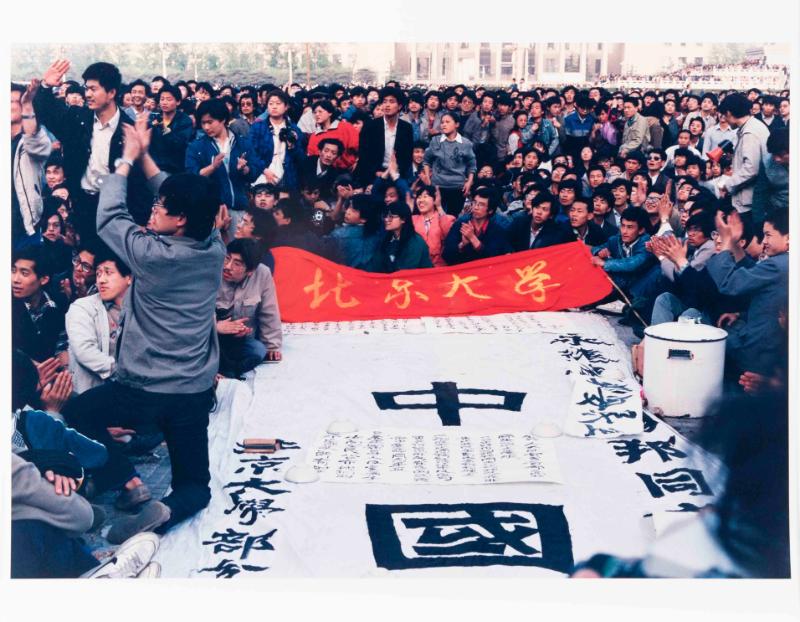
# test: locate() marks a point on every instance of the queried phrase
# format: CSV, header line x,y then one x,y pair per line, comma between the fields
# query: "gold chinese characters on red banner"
x,y
313,289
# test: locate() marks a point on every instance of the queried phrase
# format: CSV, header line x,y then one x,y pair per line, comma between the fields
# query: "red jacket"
x,y
344,132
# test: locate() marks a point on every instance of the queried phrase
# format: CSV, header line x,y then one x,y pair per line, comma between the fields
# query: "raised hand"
x,y
55,395
672,248
218,160
27,97
241,162
63,485
664,206
143,131
55,73
132,148
47,371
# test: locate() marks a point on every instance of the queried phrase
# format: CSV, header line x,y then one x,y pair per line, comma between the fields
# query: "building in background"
x,y
500,63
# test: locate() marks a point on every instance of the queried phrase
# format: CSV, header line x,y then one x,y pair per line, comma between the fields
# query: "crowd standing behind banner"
x,y
118,189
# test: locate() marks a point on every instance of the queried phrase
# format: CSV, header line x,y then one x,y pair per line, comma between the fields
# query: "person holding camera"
x,y
279,144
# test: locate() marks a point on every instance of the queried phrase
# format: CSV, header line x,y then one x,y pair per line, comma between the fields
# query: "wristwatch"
x,y
120,161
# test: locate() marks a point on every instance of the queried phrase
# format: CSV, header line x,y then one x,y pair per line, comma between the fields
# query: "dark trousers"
x,y
41,551
452,200
182,418
85,216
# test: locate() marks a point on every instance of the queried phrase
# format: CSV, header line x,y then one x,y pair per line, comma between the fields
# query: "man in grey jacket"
x,y
30,148
167,355
751,148
636,133
248,319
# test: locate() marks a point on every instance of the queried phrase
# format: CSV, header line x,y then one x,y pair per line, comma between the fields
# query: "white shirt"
x,y
389,136
98,158
278,151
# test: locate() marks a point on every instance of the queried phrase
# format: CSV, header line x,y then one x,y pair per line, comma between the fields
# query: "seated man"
x,y
320,168
293,230
358,237
624,256
691,295
754,344
477,235
248,319
538,228
582,223
93,324
37,321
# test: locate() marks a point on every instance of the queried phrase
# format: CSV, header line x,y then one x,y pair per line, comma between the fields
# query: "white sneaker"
x,y
131,558
151,571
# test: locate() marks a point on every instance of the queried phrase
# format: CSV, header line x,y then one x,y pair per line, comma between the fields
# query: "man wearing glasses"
x,y
656,160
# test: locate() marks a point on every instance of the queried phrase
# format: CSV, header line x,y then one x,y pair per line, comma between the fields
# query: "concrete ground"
x,y
154,467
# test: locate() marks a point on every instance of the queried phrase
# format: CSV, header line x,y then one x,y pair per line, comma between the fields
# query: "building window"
x,y
465,46
423,67
551,46
682,60
572,63
532,60
566,46
698,60
683,45
485,61
599,46
551,65
598,64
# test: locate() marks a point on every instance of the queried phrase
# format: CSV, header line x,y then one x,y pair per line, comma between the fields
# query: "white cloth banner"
x,y
258,525
447,456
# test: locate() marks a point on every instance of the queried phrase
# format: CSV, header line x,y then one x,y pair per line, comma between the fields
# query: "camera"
x,y
287,136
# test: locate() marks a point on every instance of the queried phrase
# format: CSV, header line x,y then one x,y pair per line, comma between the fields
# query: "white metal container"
x,y
683,367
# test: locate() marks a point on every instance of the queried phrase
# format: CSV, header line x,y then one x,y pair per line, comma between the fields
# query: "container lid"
x,y
685,332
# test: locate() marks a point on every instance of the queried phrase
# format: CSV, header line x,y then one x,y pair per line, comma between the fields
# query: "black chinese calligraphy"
x,y
227,569
470,534
676,480
448,401
633,449
231,541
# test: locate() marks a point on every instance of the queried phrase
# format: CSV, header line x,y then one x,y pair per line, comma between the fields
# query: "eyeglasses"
x,y
654,159
82,266
390,216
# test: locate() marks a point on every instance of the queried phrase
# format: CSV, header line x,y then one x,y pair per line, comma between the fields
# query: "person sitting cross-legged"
x,y
248,319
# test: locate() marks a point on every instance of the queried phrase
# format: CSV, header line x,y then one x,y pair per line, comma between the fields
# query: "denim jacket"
x,y
618,262
232,183
264,146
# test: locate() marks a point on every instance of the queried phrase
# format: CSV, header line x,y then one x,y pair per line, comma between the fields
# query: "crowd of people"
x,y
739,75
143,215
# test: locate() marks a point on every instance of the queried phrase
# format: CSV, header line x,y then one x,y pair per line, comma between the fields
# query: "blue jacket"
x,y
232,184
639,260
494,242
355,247
40,431
263,143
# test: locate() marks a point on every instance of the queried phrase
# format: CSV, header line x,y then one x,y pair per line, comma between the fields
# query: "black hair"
x,y
637,215
73,89
172,90
566,184
55,159
369,209
291,209
18,88
206,86
391,91
419,144
545,196
587,202
50,207
247,95
487,193
106,74
328,106
140,82
194,197
24,380
215,108
42,264
620,181
358,90
359,115
104,253
407,232
698,120
778,141
702,221
737,104
268,188
630,99
248,249
331,141
585,102
455,117
779,219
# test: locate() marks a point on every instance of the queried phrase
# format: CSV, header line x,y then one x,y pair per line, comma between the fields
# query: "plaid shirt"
x,y
37,314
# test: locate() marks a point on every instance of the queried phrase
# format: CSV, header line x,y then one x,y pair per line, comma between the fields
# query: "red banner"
x,y
313,289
